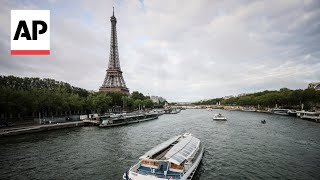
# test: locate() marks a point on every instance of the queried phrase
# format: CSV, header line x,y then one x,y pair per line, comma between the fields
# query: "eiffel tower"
x,y
114,81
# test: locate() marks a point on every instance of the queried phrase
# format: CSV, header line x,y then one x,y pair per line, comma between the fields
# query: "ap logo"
x,y
30,32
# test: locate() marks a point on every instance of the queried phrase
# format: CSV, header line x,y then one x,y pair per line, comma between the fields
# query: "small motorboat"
x,y
263,121
219,117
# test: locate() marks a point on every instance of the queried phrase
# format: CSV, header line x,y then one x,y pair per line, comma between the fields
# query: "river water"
x,y
240,148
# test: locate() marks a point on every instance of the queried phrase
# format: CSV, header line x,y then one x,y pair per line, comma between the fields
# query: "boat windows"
x,y
149,163
174,166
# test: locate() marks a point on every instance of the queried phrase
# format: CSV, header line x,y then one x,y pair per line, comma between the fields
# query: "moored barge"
x,y
123,119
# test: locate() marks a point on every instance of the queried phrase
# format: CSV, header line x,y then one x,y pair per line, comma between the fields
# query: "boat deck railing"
x,y
160,174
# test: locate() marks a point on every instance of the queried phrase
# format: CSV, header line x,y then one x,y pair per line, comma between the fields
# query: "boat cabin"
x,y
170,159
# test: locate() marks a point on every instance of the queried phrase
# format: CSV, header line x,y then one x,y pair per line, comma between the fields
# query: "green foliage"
x,y
102,102
26,83
127,102
284,98
148,103
137,103
137,95
31,96
117,98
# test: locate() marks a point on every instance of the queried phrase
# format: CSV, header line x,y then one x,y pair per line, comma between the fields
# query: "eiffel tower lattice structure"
x,y
114,81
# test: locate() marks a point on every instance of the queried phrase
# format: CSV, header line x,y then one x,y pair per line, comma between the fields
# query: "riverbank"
x,y
38,128
313,116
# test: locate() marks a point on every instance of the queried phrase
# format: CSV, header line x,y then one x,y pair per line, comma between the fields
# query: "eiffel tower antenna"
x,y
114,81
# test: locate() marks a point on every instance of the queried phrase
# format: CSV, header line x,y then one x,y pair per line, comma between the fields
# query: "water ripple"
x,y
240,148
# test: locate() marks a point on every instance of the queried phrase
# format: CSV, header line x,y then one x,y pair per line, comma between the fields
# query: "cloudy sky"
x,y
181,50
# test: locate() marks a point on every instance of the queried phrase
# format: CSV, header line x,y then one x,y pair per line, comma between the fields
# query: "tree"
x,y
29,97
117,98
148,103
102,102
285,98
127,102
137,103
136,95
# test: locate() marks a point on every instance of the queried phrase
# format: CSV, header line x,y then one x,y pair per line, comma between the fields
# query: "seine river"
x,y
240,148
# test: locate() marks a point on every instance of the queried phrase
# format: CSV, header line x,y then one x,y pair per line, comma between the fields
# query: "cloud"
x,y
183,51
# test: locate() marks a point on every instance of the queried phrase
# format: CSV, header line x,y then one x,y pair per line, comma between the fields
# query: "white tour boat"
x,y
127,118
284,112
219,117
176,158
313,116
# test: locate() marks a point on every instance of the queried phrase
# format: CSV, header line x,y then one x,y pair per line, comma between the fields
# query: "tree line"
x,y
34,97
284,98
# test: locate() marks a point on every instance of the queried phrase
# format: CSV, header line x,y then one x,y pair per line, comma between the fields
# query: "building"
x,y
314,85
228,97
243,94
161,99
157,99
154,99
114,81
